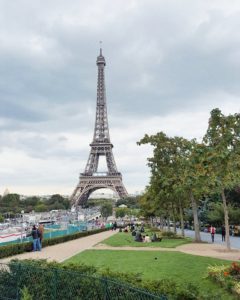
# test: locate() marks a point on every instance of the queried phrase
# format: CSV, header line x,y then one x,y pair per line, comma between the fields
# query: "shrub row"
x,y
14,249
68,282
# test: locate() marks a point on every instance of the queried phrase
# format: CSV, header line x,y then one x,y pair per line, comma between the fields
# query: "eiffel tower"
x,y
91,180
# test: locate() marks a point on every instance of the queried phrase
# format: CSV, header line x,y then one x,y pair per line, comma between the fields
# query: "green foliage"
x,y
227,276
131,202
121,212
222,139
58,202
25,294
41,207
55,281
11,204
14,249
106,210
183,172
41,280
1,219
99,202
169,234
177,177
215,215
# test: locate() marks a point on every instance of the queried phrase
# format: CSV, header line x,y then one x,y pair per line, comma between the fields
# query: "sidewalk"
x,y
63,251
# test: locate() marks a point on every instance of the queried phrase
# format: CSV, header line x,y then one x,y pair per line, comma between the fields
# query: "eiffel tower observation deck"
x,y
91,180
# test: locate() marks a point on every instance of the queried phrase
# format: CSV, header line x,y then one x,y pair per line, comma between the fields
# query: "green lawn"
x,y
126,239
182,268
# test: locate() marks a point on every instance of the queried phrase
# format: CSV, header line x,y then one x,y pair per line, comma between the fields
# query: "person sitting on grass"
x,y
138,237
147,239
155,238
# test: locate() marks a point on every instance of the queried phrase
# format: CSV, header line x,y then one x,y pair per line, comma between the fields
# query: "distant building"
x,y
6,192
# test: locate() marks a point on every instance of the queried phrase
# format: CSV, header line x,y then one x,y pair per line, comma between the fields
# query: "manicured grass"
x,y
182,268
126,239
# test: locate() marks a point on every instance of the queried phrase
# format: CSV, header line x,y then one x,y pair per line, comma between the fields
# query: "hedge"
x,y
14,249
52,280
40,280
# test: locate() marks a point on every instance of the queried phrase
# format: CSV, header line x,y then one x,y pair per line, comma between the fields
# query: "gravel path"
x,y
210,250
63,251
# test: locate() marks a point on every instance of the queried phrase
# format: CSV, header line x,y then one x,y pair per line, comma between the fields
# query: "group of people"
x,y
212,231
114,225
37,235
138,237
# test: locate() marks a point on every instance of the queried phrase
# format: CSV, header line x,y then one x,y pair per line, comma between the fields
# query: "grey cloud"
x,y
162,57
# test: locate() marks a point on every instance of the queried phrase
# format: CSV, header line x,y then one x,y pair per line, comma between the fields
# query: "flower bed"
x,y
228,277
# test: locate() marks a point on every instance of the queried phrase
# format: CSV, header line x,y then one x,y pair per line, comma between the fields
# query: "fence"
x,y
52,231
59,284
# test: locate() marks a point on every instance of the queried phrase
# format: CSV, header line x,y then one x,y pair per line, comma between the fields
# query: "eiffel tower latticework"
x,y
101,145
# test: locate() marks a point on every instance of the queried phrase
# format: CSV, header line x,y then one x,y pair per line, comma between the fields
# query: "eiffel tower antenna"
x,y
91,180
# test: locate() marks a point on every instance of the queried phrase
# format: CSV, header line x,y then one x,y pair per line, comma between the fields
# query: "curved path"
x,y
61,252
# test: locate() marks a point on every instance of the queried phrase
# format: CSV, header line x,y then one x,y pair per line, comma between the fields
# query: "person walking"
x,y
223,231
40,233
212,231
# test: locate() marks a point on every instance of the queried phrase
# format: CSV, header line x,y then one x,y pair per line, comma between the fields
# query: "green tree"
x,y
10,200
41,207
57,201
175,175
121,212
131,202
1,219
106,210
223,141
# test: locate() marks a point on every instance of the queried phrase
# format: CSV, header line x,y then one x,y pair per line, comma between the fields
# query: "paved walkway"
x,y
63,251
206,237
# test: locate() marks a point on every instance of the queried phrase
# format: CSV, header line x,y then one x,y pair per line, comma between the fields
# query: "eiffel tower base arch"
x,y
89,184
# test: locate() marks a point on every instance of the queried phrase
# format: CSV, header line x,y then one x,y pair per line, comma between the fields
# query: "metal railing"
x,y
45,283
52,232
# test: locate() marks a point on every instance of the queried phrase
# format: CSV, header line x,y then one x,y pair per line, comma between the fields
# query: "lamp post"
x,y
22,212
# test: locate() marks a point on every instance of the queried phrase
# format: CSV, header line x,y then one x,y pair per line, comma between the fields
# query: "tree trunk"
x,y
195,218
162,223
152,222
174,220
225,208
168,224
181,218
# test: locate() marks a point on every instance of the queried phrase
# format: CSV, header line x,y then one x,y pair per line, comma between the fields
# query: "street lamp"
x,y
22,212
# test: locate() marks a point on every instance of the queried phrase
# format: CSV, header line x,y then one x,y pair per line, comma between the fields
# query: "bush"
x,y
169,234
227,277
70,281
25,295
14,249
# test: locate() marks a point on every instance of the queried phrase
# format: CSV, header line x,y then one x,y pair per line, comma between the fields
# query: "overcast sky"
x,y
168,64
